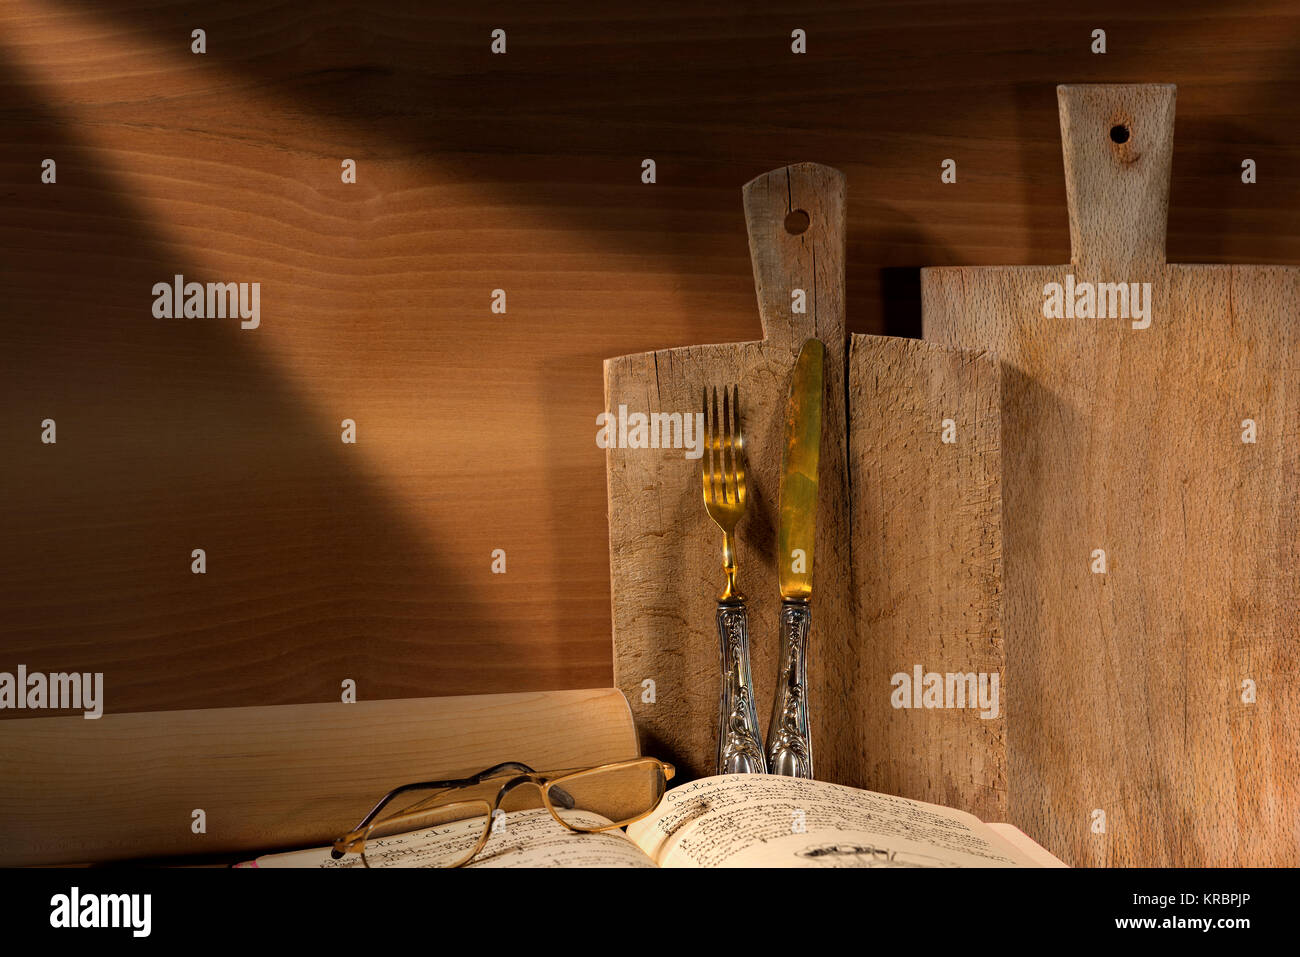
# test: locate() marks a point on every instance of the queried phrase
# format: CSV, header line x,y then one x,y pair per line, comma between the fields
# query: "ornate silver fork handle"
x,y
740,748
789,745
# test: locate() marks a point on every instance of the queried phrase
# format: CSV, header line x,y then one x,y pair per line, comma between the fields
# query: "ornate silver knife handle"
x,y
740,748
789,745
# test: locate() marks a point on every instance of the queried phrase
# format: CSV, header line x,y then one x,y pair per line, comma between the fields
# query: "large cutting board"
x,y
922,583
1128,689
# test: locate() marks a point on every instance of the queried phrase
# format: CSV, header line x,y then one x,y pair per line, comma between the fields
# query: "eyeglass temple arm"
x,y
335,853
565,799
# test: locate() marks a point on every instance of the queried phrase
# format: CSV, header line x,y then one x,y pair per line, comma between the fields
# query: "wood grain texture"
x,y
282,776
1127,686
927,577
478,172
665,552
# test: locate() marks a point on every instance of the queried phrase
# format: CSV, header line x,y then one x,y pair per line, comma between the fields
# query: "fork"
x,y
740,748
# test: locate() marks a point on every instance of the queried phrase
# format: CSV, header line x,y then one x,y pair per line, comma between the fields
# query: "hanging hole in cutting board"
x,y
1119,133
796,222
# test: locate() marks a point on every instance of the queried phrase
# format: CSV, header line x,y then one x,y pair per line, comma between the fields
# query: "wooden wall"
x,y
522,172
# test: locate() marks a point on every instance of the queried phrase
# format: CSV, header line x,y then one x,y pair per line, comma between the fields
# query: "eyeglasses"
x,y
461,813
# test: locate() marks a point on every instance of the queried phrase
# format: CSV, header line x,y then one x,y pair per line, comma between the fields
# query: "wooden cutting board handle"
x,y
795,217
1118,143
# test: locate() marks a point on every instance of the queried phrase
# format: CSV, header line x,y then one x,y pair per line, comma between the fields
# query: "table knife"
x,y
789,744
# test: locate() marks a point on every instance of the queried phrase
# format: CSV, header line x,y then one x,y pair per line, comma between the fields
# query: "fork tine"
x,y
729,451
715,453
738,453
706,462
716,449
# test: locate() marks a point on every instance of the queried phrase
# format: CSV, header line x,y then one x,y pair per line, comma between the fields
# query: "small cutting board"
x,y
665,552
906,565
1151,700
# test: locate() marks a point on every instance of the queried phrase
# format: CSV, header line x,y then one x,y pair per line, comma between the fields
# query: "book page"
x,y
764,820
530,838
1026,845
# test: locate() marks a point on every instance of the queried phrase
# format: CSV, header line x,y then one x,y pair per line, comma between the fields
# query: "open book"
x,y
733,820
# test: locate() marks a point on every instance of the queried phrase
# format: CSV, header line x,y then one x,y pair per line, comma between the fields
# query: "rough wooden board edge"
x,y
926,568
124,786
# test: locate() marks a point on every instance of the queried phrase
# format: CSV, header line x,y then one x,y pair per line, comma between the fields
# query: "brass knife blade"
x,y
803,438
